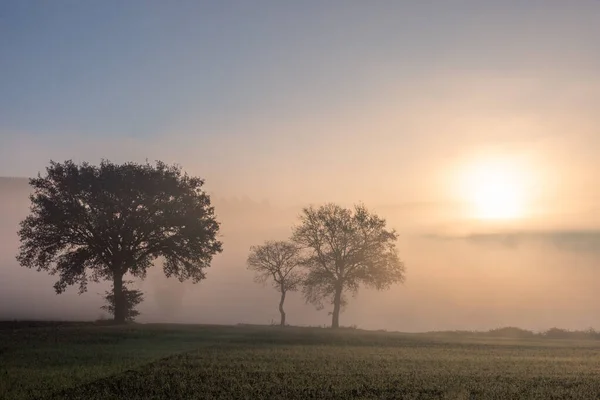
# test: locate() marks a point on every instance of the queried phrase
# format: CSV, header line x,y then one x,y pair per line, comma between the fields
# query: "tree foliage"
x,y
345,249
277,261
132,297
90,223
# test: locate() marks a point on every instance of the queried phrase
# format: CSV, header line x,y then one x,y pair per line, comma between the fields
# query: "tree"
x,y
279,261
100,222
346,248
132,299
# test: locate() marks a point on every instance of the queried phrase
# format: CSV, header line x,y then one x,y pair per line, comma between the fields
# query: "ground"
x,y
70,361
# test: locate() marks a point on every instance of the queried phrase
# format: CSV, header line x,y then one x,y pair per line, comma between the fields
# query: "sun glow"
x,y
495,190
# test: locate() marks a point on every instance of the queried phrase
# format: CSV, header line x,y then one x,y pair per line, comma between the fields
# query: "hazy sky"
x,y
400,104
277,99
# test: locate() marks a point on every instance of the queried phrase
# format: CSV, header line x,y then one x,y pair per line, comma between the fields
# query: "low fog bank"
x,y
534,280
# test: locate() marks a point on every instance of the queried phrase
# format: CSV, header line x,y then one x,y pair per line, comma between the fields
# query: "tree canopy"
x,y
345,248
277,261
91,223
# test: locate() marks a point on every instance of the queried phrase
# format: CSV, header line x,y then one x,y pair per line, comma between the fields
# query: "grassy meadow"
x,y
153,361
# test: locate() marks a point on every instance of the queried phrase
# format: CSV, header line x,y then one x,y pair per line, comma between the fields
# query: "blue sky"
x,y
229,87
134,68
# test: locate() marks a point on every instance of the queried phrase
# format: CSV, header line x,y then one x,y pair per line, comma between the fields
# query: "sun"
x,y
496,197
495,190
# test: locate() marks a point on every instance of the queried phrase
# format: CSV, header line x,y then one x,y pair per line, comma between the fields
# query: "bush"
x,y
511,332
133,297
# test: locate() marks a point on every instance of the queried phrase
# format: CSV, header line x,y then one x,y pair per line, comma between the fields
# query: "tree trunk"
x,y
337,304
120,306
281,308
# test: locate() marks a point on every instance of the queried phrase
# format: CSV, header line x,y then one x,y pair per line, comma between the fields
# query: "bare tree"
x,y
278,261
346,248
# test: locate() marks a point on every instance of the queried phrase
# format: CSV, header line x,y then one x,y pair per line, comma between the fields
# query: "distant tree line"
x,y
519,333
92,223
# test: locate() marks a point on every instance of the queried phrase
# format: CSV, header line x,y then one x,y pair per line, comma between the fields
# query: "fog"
x,y
532,279
281,105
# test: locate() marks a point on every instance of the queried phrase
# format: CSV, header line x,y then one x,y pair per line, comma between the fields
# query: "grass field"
x,y
215,362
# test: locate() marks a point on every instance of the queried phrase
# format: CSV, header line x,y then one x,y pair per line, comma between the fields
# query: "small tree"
x,y
100,222
133,297
278,261
346,248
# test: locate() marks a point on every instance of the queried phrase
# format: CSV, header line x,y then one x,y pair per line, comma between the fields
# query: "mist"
x,y
532,279
392,104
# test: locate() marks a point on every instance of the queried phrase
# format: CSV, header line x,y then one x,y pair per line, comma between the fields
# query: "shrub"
x,y
133,297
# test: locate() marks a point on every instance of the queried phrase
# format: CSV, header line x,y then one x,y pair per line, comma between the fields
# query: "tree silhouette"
x,y
279,261
346,248
100,222
132,297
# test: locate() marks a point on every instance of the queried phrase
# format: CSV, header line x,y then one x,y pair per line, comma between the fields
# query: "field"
x,y
245,362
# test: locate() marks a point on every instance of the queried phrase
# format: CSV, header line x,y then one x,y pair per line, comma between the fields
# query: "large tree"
x,y
345,248
278,261
101,222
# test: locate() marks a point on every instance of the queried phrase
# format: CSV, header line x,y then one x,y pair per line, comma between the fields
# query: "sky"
x,y
236,91
411,107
